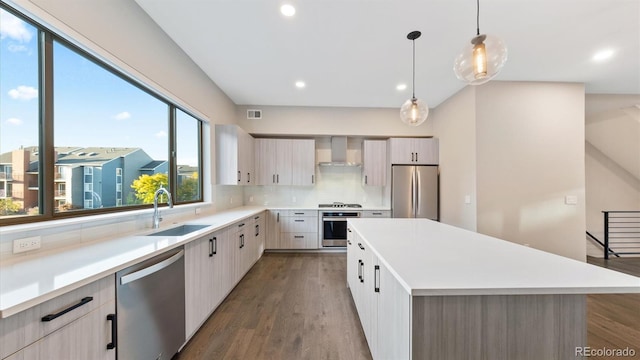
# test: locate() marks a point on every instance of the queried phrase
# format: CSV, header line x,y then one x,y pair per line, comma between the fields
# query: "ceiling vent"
x,y
254,114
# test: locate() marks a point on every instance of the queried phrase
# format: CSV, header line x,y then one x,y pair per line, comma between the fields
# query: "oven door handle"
x,y
338,218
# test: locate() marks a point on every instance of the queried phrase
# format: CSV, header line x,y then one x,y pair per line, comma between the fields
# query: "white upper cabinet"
x,y
234,156
414,151
284,162
374,162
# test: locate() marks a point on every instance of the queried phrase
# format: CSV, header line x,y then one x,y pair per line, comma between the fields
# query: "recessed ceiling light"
x,y
287,10
602,55
401,87
300,84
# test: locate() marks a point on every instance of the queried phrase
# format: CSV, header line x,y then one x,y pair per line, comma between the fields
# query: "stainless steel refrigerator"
x,y
414,191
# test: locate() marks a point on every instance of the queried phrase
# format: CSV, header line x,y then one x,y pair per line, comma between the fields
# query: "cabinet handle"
x,y
273,181
359,270
114,331
277,178
412,157
238,175
277,217
365,180
257,230
241,241
70,308
376,278
362,265
299,213
248,177
349,242
298,237
313,180
213,246
349,229
298,220
376,213
241,225
360,246
256,218
416,157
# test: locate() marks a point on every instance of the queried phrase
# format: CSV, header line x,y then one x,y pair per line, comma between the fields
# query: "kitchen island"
x,y
427,290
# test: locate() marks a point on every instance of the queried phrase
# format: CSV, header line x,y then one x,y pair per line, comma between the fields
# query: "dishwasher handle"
x,y
151,269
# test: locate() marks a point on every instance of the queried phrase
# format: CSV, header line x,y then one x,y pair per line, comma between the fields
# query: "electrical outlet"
x,y
250,199
198,211
26,244
294,199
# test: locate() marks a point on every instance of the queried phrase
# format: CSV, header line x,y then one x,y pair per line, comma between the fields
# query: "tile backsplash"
x,y
333,183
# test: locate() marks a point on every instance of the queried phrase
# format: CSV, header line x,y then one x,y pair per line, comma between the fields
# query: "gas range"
x,y
339,205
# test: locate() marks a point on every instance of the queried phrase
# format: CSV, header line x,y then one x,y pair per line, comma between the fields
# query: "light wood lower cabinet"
x,y
49,331
215,263
206,282
84,338
292,229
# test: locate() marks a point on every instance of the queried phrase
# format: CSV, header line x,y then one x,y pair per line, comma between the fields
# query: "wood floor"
x,y
613,320
289,306
296,306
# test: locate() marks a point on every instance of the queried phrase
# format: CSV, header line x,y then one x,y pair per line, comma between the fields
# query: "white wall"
x,y
367,122
454,123
612,158
530,155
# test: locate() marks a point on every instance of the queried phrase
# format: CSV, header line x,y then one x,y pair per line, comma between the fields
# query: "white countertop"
x,y
431,258
25,283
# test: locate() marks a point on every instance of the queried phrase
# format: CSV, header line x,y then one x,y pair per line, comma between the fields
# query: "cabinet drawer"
x,y
26,327
306,213
376,213
299,240
299,224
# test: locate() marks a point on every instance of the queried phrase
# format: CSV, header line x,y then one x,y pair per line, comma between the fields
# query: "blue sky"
x,y
92,106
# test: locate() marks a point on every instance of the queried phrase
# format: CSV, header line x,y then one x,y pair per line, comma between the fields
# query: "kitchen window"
x,y
71,121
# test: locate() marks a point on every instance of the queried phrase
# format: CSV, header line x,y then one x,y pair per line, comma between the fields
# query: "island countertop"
x,y
430,258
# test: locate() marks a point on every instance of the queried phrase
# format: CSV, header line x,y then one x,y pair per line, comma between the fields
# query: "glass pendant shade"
x,y
414,112
481,60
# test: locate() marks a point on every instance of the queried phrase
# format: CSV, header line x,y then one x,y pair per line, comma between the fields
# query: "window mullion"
x,y
47,154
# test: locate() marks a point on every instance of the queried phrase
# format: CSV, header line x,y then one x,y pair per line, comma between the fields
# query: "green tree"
x,y
9,207
188,189
146,185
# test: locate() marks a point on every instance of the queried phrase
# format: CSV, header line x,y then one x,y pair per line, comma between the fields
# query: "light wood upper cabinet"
x,y
374,164
414,151
284,162
303,162
234,156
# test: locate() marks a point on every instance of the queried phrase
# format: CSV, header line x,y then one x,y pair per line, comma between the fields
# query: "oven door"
x,y
334,231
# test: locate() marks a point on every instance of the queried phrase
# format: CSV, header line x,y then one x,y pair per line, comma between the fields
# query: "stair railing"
x,y
621,232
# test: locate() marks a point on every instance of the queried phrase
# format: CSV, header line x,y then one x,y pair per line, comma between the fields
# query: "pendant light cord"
x,y
477,17
413,87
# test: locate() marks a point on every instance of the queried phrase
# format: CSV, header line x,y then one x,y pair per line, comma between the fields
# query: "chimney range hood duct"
x,y
338,153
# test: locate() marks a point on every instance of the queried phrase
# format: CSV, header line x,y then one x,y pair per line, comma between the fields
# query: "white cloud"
x,y
17,48
161,134
122,116
23,92
13,28
14,121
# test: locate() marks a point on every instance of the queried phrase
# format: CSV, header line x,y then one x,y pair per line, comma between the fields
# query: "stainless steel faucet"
x,y
156,212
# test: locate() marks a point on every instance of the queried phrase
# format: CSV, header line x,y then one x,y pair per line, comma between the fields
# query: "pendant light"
x,y
482,59
414,112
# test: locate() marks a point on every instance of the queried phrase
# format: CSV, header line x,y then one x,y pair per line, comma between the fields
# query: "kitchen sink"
x,y
179,230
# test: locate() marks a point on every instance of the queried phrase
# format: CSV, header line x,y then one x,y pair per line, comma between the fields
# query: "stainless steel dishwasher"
x,y
150,308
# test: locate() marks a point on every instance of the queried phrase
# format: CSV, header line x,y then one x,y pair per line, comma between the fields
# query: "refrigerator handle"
x,y
413,192
419,184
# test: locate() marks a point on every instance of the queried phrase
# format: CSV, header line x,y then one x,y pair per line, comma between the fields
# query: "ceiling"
x,y
354,53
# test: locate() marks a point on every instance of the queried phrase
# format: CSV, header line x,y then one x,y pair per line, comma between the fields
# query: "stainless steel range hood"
x,y
339,153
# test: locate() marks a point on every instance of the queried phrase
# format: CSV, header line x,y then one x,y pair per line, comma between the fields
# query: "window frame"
x,y
47,170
